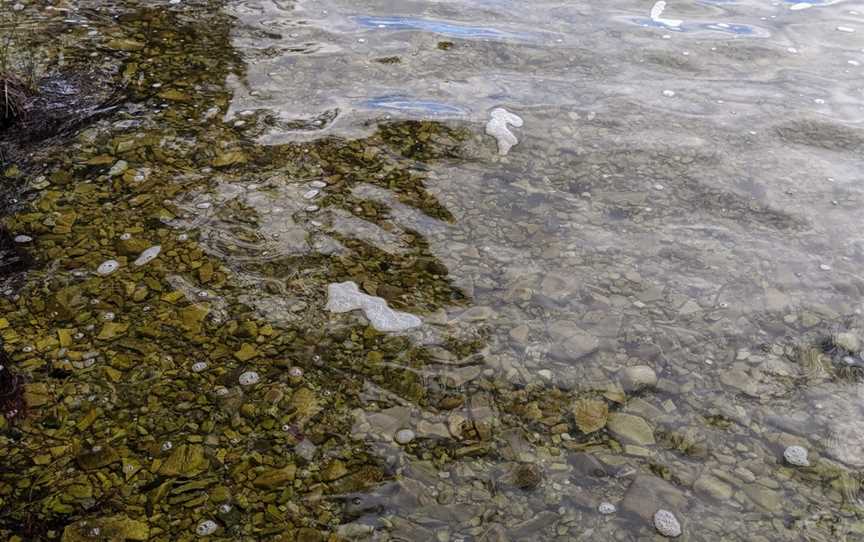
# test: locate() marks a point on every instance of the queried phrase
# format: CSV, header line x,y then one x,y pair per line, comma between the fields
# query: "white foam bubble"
x,y
346,296
497,128
656,15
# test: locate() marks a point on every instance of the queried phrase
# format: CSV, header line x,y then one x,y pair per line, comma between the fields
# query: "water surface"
x,y
684,198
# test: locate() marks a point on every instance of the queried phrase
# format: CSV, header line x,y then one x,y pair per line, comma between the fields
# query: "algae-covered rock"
x,y
186,460
590,414
305,405
114,528
98,457
229,158
274,478
631,429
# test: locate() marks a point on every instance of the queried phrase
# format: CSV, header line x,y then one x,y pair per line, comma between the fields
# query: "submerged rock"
x,y
107,267
404,436
346,296
797,456
630,428
637,377
667,524
206,528
497,128
148,256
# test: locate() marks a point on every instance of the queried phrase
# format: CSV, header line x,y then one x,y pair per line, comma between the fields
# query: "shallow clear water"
x,y
684,198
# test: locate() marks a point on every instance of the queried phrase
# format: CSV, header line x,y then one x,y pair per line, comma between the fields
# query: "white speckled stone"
x,y
249,378
206,528
107,267
148,255
667,524
607,508
797,456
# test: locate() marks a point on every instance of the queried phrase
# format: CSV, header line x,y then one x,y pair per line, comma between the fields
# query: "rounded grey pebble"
x,y
404,436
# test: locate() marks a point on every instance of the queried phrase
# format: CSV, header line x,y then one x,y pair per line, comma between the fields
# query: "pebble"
x,y
249,378
199,366
607,508
667,524
669,93
107,267
404,436
311,194
23,238
797,456
148,256
305,449
118,168
317,184
638,376
206,528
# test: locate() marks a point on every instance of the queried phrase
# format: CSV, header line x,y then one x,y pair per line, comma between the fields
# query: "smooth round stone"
x,y
23,238
637,377
107,267
404,436
667,524
249,378
295,372
199,366
606,508
797,456
148,255
206,528
125,236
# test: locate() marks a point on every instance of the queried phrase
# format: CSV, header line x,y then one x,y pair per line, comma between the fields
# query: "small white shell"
x,y
23,238
249,378
199,366
317,184
107,267
148,255
206,528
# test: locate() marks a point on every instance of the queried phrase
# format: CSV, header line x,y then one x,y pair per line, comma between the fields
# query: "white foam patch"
x,y
497,128
656,15
346,297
